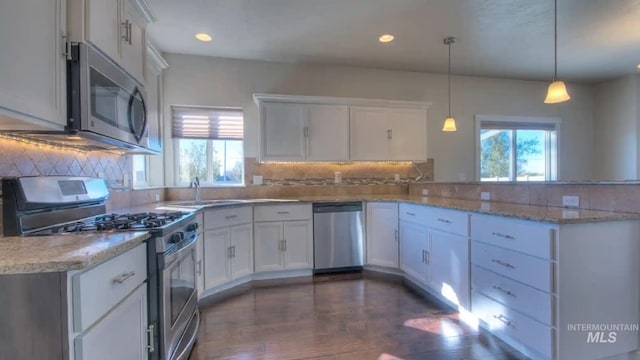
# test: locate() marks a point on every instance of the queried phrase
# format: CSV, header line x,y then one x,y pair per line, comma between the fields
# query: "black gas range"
x,y
61,205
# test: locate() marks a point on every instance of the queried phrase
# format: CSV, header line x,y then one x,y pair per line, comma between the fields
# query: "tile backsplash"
x,y
26,159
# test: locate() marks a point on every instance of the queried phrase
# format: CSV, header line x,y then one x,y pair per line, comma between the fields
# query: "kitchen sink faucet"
x,y
196,184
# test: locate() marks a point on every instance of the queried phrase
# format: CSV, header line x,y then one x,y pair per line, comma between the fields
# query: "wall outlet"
x,y
485,195
570,201
425,192
157,197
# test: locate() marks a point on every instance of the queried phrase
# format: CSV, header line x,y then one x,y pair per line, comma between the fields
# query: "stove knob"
x,y
192,227
177,237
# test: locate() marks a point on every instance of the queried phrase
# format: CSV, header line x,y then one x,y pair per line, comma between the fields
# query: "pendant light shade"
x,y
557,91
449,123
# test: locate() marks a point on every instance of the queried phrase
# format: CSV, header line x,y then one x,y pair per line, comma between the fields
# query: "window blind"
x,y
508,125
207,123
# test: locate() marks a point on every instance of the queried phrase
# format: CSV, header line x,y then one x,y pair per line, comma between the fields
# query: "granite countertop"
x,y
548,214
39,254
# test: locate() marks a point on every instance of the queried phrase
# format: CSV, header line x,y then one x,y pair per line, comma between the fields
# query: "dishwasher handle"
x,y
336,207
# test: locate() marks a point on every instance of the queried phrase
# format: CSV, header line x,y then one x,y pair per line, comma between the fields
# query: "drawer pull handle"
x,y
231,217
444,221
124,277
283,212
502,263
411,214
505,236
499,288
504,320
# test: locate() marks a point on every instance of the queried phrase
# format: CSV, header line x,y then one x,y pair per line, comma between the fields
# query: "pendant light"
x,y
449,122
557,91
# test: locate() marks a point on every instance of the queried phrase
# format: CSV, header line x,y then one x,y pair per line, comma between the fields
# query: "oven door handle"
x,y
165,260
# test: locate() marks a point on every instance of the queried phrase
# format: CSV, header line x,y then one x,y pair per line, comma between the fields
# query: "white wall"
x,y
616,128
196,80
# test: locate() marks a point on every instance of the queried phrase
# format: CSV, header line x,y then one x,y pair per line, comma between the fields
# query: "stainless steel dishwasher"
x,y
337,237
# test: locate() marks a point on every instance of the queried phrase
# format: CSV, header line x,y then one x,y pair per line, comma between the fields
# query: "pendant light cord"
x,y
449,72
555,40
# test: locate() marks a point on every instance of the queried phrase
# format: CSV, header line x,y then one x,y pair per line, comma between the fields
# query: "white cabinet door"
x,y
119,335
369,133
382,234
413,246
242,243
283,132
153,88
103,27
133,42
32,65
200,264
267,246
298,236
408,134
449,267
327,132
216,257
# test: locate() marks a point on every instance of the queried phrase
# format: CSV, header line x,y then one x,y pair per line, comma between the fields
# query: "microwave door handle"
x,y
138,134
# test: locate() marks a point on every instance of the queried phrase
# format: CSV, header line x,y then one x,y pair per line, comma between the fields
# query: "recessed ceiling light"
x,y
203,37
385,38
638,66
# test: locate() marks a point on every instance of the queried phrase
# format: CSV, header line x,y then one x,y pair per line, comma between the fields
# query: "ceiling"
x,y
597,39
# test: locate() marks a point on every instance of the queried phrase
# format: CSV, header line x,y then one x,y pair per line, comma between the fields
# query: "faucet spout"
x,y
196,185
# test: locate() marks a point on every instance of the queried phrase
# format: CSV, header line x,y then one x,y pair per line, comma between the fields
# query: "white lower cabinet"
x,y
228,254
283,245
413,250
449,267
382,234
109,309
122,334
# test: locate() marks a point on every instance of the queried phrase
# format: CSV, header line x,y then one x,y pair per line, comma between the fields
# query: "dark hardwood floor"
x,y
337,318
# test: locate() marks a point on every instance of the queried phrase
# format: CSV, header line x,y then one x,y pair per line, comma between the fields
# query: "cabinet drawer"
x,y
98,289
523,236
413,212
227,217
524,268
503,321
452,221
535,303
282,212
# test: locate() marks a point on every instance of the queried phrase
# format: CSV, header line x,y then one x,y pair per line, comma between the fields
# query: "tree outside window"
x,y
517,152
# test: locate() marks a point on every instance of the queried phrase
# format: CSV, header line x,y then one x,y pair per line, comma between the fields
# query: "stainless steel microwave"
x,y
104,100
105,105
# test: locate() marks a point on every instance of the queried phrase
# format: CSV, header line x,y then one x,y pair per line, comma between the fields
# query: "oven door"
x,y
178,296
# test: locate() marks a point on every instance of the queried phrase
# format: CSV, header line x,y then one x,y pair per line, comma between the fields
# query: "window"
x,y
517,149
209,145
139,171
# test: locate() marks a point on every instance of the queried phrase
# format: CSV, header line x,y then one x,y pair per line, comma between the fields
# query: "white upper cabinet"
x,y
116,27
299,132
32,65
327,132
153,86
388,134
307,128
369,133
283,132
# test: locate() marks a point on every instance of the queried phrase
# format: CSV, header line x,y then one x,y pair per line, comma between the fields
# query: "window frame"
x,y
553,151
